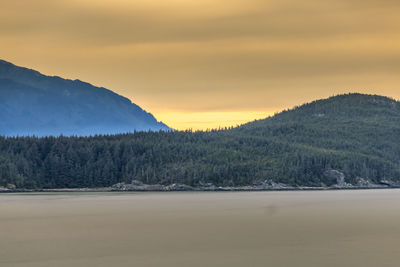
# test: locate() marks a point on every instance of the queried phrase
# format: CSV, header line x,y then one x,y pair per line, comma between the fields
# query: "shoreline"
x,y
233,189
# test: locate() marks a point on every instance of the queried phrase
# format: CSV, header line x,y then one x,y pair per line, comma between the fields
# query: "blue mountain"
x,y
35,104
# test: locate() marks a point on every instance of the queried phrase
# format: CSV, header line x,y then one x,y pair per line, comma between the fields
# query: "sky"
x,y
209,64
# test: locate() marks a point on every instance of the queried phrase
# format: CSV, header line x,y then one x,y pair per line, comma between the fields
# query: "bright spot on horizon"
x,y
209,120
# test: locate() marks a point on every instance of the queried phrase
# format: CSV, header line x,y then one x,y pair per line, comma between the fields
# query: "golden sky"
x,y
203,64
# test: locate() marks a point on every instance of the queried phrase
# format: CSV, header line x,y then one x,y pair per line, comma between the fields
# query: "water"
x,y
314,228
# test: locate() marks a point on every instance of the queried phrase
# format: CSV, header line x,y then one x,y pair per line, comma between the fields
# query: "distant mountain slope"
x,y
346,139
367,124
355,133
34,104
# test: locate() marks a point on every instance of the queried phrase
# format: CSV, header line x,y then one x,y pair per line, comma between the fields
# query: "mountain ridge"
x,y
345,141
84,106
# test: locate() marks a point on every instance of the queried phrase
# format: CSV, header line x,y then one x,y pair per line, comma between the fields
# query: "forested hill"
x,y
354,134
35,104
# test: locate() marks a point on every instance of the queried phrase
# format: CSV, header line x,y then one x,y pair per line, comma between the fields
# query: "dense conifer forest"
x,y
353,133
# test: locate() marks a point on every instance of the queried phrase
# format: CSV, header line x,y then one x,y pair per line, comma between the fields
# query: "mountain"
x,y
346,140
34,104
354,133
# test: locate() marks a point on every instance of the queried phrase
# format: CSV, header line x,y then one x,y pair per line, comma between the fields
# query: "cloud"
x,y
147,21
214,56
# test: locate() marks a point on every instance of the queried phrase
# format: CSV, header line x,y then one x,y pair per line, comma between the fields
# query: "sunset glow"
x,y
209,64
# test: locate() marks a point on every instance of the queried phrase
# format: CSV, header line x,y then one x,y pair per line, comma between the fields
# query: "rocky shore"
x,y
337,178
122,187
267,185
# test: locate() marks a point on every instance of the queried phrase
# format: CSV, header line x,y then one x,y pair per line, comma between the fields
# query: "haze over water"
x,y
317,228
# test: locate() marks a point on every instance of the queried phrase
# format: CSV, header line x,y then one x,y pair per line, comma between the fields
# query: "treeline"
x,y
288,148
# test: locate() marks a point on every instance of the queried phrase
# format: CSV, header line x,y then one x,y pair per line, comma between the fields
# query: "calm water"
x,y
334,228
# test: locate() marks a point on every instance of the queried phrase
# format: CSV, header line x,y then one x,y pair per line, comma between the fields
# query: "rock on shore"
x,y
139,186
